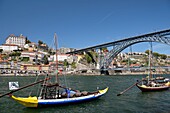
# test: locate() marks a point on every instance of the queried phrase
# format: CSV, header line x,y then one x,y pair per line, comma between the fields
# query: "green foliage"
x,y
1,50
50,52
157,55
88,58
40,42
73,65
25,59
147,52
27,41
104,49
163,56
45,60
15,54
65,62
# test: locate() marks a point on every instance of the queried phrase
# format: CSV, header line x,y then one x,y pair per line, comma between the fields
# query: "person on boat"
x,y
69,92
166,80
153,84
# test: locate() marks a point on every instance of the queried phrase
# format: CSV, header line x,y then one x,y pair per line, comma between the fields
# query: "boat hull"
x,y
55,102
168,84
144,88
38,102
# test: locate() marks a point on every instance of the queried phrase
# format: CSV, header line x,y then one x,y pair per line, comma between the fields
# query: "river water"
x,y
132,101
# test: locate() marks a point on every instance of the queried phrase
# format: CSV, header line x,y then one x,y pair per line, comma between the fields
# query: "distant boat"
x,y
150,84
150,88
51,94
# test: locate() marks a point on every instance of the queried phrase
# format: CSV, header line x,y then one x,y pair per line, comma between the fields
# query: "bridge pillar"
x,y
103,70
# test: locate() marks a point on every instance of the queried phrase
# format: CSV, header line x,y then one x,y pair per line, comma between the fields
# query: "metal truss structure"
x,y
120,45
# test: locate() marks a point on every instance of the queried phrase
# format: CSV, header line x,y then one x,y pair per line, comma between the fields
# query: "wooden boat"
x,y
40,102
146,88
150,84
51,94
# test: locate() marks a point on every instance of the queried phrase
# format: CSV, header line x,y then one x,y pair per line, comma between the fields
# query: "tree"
x,y
65,62
88,58
15,54
25,59
45,60
155,54
104,49
73,65
163,56
147,52
27,41
40,42
1,50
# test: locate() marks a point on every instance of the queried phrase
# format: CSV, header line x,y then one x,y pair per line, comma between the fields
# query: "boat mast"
x,y
56,47
150,58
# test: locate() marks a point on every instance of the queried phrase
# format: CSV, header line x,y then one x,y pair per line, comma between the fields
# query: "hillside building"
x,y
9,47
17,40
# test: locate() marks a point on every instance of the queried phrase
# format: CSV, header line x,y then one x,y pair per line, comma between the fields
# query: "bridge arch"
x,y
120,46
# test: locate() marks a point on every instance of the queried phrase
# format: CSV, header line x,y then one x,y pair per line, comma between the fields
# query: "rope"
x,y
42,87
101,81
32,88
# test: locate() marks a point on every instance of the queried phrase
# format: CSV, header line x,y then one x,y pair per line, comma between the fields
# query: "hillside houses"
x,y
40,59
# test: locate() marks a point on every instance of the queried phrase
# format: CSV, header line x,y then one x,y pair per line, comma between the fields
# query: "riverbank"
x,y
88,74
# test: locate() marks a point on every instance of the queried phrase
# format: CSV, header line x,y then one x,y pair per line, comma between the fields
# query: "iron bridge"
x,y
120,45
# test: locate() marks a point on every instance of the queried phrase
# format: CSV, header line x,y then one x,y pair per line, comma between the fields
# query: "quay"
x,y
113,71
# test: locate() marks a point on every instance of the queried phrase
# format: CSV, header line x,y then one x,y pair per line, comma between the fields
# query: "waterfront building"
x,y
17,40
33,69
4,67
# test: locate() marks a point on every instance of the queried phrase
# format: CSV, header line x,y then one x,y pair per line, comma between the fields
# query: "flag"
x,y
13,85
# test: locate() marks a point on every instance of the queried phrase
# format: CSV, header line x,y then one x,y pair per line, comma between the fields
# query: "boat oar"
x,y
24,87
127,89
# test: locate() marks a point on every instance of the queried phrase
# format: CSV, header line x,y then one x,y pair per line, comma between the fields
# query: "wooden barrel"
x,y
84,93
78,94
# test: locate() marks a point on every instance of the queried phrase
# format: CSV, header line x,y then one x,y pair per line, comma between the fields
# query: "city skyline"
x,y
83,23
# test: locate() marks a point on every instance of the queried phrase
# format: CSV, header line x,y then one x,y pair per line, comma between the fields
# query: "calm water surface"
x,y
133,101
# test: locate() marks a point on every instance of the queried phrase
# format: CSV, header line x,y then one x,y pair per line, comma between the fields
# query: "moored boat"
x,y
150,83
52,93
40,102
145,88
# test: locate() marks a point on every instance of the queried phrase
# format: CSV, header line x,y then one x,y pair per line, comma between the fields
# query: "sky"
x,y
84,23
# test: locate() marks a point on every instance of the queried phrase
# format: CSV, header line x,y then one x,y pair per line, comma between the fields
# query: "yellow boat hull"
x,y
28,102
168,84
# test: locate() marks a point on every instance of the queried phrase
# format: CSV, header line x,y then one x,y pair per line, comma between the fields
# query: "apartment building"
x,y
17,40
9,47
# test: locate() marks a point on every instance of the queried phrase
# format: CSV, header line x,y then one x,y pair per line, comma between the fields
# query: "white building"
x,y
61,57
69,58
31,55
17,40
8,47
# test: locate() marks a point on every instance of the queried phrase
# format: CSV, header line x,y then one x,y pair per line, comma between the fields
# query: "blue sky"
x,y
83,23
